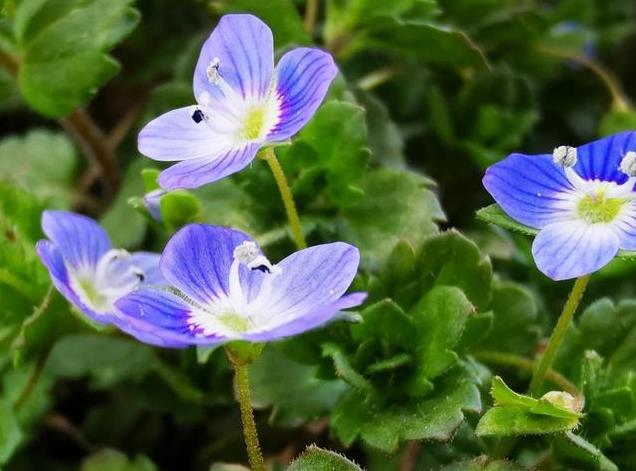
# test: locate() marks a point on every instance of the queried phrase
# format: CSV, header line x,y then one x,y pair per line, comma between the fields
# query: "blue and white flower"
x,y
85,268
243,103
225,289
581,199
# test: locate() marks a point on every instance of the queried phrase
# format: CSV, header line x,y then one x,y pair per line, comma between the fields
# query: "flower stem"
x,y
269,156
247,415
311,15
558,334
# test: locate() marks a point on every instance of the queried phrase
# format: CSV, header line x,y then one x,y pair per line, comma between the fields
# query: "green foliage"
x,y
482,463
62,49
113,460
317,459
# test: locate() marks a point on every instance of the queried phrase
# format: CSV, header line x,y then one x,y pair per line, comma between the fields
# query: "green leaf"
x,y
317,459
280,15
617,120
576,450
107,360
439,320
228,467
493,214
178,208
63,49
113,460
293,391
10,434
432,418
42,162
382,219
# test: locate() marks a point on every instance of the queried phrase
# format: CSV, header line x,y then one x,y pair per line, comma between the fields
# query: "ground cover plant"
x,y
317,235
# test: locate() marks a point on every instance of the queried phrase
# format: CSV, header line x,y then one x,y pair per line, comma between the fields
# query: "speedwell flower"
x,y
243,103
225,289
87,270
581,199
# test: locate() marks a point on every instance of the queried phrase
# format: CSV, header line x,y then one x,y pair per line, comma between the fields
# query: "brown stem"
x,y
410,456
311,15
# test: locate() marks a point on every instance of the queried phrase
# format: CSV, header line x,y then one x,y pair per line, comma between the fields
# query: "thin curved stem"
x,y
619,101
515,361
250,434
269,156
560,329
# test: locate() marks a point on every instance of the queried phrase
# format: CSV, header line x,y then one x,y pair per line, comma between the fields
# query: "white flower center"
x,y
114,276
236,119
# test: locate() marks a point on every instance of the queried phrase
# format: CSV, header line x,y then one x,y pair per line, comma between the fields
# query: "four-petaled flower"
x,y
243,103
581,199
225,289
87,270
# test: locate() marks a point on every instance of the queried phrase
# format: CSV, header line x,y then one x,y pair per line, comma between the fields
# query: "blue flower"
x,y
581,199
152,202
87,270
225,289
243,103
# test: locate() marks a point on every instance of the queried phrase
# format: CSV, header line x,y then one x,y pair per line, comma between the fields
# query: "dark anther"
x,y
262,268
141,276
198,116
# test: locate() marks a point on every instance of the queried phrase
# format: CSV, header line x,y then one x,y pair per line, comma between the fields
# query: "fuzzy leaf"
x,y
317,459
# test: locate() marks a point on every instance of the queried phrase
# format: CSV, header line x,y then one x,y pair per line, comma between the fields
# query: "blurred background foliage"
x,y
430,93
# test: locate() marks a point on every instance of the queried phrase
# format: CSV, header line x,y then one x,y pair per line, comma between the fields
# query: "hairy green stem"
x,y
558,334
250,434
269,156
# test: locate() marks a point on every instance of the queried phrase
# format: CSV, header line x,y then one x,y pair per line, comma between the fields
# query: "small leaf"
x,y
493,214
178,208
10,434
576,450
518,420
317,459
113,460
483,463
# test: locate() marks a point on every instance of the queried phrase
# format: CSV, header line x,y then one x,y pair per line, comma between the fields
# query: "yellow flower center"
x,y
253,124
96,300
597,208
233,321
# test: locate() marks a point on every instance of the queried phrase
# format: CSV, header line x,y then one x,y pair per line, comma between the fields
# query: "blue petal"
x,y
245,49
149,263
159,318
53,260
198,172
79,239
198,258
310,278
530,189
625,227
303,78
319,316
600,160
176,136
571,249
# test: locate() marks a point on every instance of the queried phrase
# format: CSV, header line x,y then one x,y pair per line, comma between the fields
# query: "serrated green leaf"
x,y
439,320
432,418
518,420
493,214
62,48
293,390
113,460
344,369
10,433
576,450
317,459
483,463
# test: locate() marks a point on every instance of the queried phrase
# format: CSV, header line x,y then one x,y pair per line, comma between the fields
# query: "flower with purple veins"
x,y
225,289
243,103
581,199
152,202
85,268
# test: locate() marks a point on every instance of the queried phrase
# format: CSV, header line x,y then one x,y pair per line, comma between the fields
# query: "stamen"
x,y
565,156
249,254
213,71
628,164
198,116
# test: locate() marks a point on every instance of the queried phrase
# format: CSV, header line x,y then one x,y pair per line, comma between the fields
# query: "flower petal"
x,y
53,260
244,46
80,240
530,189
303,78
197,172
148,262
310,278
160,318
571,249
625,227
311,320
198,258
176,136
600,160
